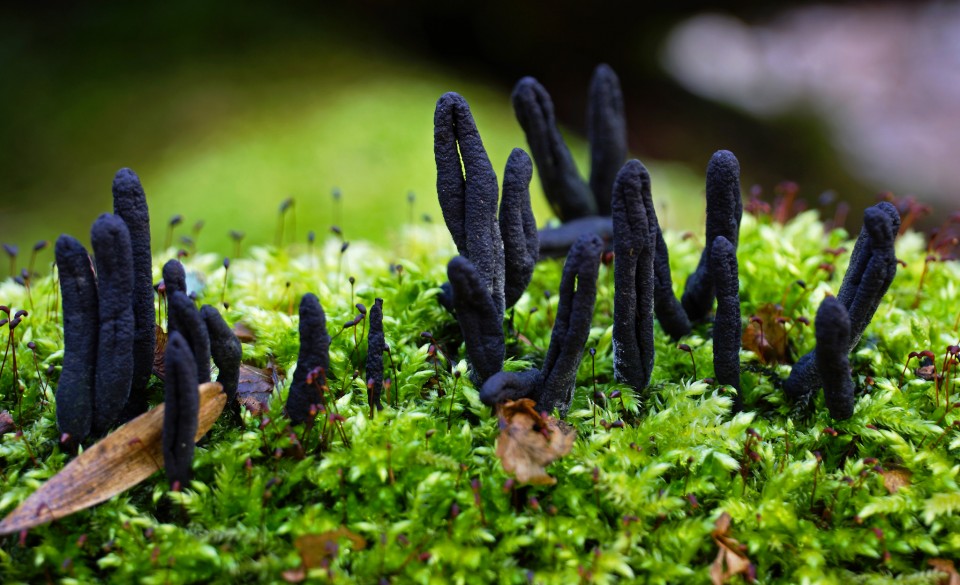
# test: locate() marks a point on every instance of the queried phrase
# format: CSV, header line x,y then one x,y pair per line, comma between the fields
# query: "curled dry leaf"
x,y
6,422
895,478
945,566
118,462
731,559
768,338
244,333
318,550
530,441
159,350
255,387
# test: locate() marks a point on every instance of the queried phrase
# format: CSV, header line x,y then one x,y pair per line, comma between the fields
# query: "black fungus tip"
x,y
226,351
314,353
181,409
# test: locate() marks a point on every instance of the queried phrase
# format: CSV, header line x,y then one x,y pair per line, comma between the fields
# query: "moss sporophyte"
x,y
421,440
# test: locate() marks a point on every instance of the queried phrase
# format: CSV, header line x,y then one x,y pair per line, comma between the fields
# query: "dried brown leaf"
x,y
946,566
316,550
244,333
6,422
768,341
529,442
895,478
255,387
730,560
115,464
159,351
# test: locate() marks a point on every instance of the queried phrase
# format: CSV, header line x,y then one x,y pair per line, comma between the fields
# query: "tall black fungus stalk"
x,y
833,342
724,210
873,265
130,205
581,207
518,228
184,317
181,409
78,287
226,351
314,353
174,277
376,345
114,369
481,323
726,326
553,385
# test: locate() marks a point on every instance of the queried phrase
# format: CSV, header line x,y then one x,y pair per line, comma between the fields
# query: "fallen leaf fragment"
x,y
244,333
255,387
731,559
946,566
159,351
316,549
6,422
115,464
768,338
530,441
895,478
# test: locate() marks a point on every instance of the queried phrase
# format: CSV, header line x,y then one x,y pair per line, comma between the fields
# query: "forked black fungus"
x,y
634,245
833,342
556,241
376,345
727,328
607,132
314,353
468,193
174,277
578,295
114,370
569,196
518,228
873,266
226,351
724,210
181,409
553,385
184,317
481,323
78,287
130,205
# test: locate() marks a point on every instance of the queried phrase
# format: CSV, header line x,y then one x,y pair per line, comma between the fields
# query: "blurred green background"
x,y
226,109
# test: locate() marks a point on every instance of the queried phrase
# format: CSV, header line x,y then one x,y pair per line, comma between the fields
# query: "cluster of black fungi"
x,y
110,321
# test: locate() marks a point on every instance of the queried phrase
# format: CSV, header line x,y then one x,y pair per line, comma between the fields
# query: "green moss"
x,y
631,504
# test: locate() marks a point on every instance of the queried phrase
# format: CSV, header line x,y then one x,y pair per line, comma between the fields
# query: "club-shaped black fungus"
x,y
174,277
569,196
181,409
577,296
518,228
184,317
634,245
114,371
314,353
724,210
130,205
504,386
873,265
78,287
376,345
726,326
480,321
833,342
468,194
607,131
555,242
226,351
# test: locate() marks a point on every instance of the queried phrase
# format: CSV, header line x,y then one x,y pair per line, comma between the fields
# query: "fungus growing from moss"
x,y
481,323
376,345
226,351
314,354
833,343
114,369
78,288
726,325
518,228
184,317
182,402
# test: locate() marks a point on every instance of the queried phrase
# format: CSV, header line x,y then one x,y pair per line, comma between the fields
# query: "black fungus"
x,y
634,245
578,294
873,265
130,204
833,342
724,210
174,277
468,193
481,323
314,353
518,228
726,326
556,241
569,196
181,409
184,317
114,369
607,132
504,386
78,287
226,351
376,345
